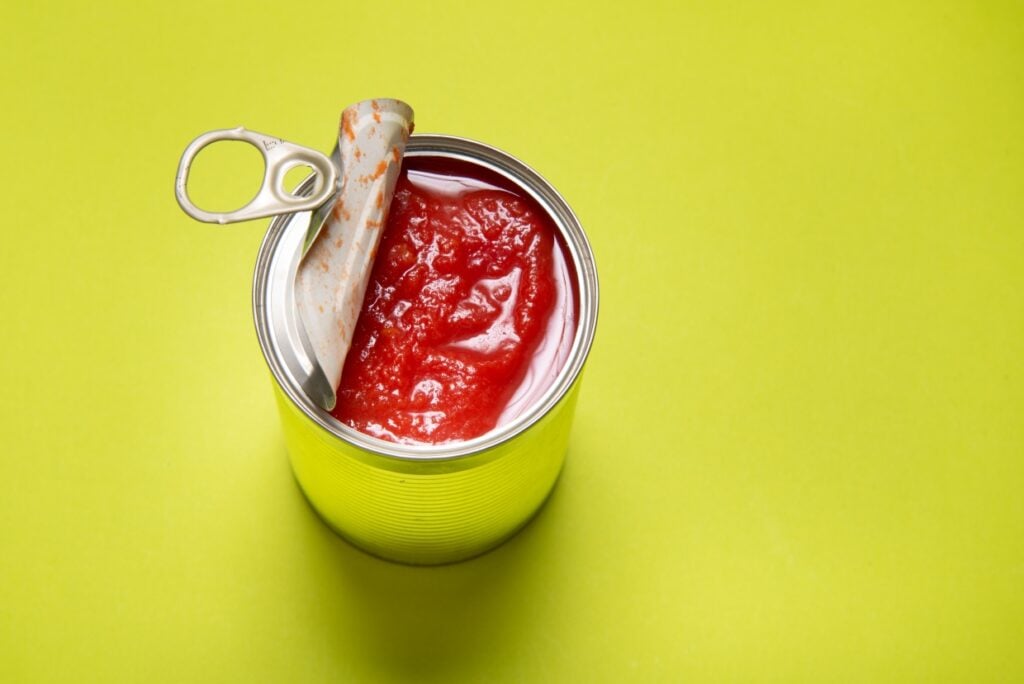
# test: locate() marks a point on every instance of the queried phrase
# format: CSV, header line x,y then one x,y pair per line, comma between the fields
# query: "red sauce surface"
x,y
469,312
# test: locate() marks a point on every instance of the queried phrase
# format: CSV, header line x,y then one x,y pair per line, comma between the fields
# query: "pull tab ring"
x,y
279,157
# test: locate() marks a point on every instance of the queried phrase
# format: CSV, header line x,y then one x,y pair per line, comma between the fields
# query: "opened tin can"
x,y
425,504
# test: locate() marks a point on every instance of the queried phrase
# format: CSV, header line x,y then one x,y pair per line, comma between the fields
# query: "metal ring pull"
x,y
279,157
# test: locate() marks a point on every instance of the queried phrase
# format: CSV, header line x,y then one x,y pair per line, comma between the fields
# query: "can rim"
x,y
581,262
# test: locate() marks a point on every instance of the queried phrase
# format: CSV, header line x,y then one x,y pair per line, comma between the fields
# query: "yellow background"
x,y
799,449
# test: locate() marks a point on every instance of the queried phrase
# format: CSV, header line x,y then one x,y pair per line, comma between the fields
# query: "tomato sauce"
x,y
469,313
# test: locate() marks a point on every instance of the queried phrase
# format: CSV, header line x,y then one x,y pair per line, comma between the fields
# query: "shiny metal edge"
x,y
583,262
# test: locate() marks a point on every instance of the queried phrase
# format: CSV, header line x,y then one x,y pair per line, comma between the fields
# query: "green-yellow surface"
x,y
799,448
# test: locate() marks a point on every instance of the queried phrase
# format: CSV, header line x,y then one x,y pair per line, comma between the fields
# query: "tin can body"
x,y
427,512
424,504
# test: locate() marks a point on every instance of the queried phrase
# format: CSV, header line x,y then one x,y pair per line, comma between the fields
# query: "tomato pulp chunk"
x,y
469,313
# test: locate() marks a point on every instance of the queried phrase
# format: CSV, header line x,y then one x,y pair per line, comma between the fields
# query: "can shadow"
x,y
442,622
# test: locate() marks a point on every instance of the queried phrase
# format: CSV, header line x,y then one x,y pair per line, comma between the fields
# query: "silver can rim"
x,y
582,263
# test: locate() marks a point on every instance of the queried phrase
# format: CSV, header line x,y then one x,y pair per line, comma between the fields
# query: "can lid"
x,y
332,276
